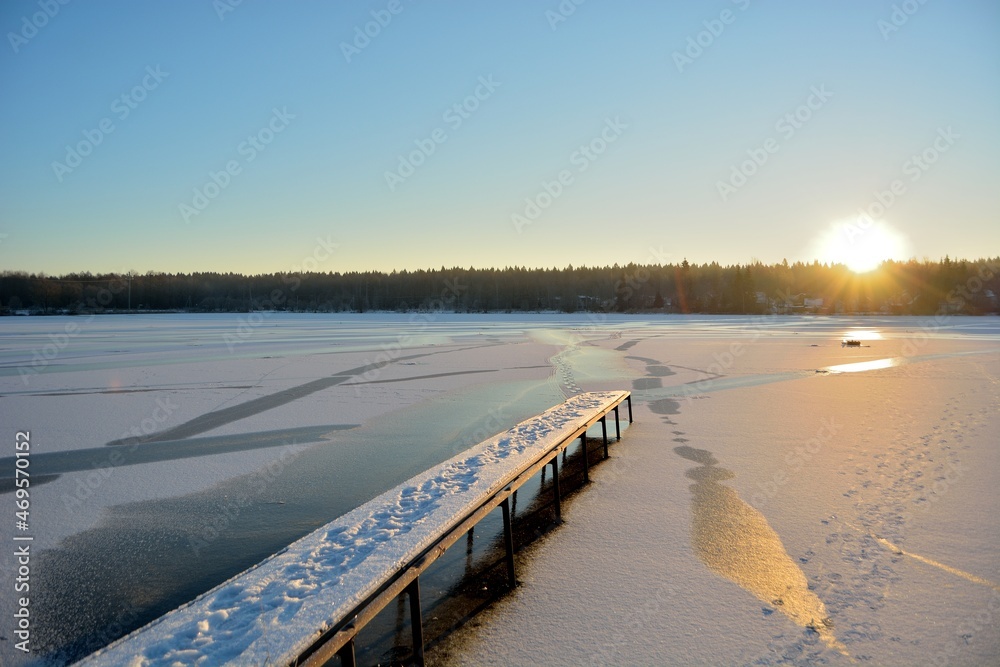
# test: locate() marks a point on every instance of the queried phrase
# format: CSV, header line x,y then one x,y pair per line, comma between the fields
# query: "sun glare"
x,y
861,245
862,334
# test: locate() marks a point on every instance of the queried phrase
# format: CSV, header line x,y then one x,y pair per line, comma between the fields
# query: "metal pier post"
x,y
604,432
508,542
555,487
347,654
416,623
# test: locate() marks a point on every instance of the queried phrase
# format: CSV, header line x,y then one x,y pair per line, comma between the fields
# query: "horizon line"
x,y
41,274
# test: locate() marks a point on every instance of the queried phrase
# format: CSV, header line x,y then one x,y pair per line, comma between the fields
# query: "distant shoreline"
x,y
895,288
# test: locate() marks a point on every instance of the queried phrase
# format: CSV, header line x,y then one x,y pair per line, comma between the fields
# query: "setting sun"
x,y
860,244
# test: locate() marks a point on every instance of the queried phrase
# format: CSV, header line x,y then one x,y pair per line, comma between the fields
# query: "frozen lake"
x,y
170,452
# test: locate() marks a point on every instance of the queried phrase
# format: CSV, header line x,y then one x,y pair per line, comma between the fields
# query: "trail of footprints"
x,y
903,480
564,373
897,483
564,369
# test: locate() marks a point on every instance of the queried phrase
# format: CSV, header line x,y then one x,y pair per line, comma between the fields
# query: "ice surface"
x,y
744,389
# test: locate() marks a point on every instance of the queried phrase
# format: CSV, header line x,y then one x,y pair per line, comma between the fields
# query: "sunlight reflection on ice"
x,y
860,366
862,334
736,541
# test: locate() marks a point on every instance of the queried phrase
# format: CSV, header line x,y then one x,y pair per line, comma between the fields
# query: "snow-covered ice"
x,y
876,488
769,511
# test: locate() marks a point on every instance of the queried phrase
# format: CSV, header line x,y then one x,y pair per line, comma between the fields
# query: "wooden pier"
x,y
339,640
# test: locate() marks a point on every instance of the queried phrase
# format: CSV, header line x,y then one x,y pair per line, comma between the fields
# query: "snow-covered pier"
x,y
306,603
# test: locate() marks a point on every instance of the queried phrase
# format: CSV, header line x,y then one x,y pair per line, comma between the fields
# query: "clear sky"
x,y
451,133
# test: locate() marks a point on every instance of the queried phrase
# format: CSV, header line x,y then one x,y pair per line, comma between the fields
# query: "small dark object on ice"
x,y
850,342
822,624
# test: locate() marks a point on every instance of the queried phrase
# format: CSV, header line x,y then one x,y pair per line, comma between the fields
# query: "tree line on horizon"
x,y
904,288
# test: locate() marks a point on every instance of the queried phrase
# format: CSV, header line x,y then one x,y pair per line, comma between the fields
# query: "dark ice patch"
x,y
639,384
665,406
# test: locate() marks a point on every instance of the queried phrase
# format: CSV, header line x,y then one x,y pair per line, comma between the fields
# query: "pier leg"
x,y
604,431
347,655
586,459
555,487
416,624
508,541
618,428
400,617
469,538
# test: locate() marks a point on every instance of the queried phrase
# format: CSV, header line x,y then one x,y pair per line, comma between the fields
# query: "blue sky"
x,y
309,129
